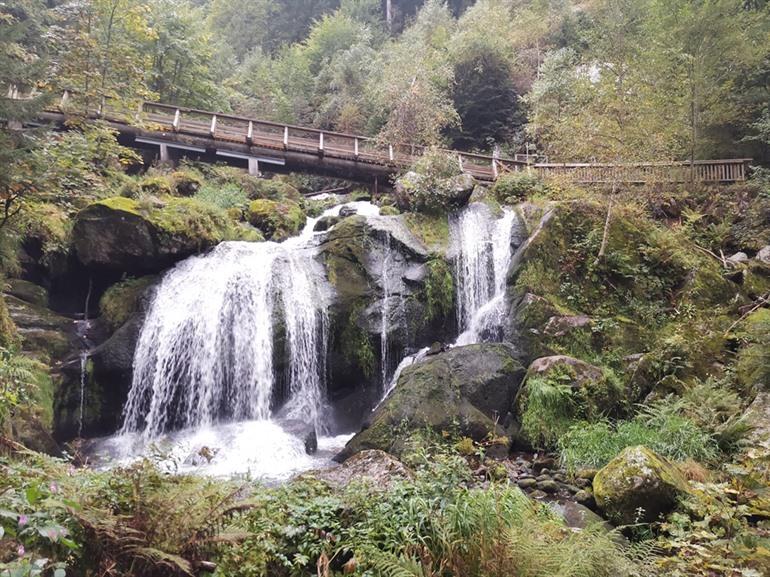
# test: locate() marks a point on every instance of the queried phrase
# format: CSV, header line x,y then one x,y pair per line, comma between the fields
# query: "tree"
x,y
23,68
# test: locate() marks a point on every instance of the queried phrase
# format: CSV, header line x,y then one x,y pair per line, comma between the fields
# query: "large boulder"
x,y
585,391
638,486
380,272
470,388
121,235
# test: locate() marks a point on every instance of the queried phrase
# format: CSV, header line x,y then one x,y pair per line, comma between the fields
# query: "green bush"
x,y
429,186
226,196
514,187
593,445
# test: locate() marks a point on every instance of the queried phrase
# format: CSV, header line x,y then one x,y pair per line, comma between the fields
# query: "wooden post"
x,y
321,143
64,99
355,147
494,169
250,133
139,111
390,152
460,161
253,167
213,128
102,102
177,120
285,137
164,155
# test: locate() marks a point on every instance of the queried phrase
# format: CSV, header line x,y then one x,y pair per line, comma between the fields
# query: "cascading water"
x,y
485,249
385,316
207,368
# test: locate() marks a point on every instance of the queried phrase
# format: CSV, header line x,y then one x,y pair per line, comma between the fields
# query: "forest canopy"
x,y
597,80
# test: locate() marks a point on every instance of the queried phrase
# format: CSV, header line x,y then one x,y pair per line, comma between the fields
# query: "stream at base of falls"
x,y
202,398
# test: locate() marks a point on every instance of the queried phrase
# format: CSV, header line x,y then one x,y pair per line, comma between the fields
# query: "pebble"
x,y
549,486
526,483
538,494
585,498
542,478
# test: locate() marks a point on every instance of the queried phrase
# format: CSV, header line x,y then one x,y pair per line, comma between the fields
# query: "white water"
x,y
385,320
484,247
484,256
204,372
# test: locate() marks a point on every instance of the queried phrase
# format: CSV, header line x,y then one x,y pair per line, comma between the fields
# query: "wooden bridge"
x,y
174,131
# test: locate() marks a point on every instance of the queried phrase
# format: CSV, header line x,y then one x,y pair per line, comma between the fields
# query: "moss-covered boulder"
x,y
278,220
8,334
557,391
125,235
43,333
380,271
467,389
638,486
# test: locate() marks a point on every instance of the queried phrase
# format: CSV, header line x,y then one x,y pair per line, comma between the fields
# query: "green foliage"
x,y
121,300
431,229
17,383
430,186
356,343
276,220
550,408
439,289
511,188
753,366
8,336
417,527
224,197
695,426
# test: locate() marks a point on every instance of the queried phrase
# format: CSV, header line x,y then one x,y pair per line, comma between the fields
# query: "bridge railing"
x,y
729,170
289,138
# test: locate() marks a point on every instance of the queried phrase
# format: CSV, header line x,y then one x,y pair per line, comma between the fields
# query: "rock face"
x,y
118,234
763,255
374,467
472,387
43,332
638,486
381,274
757,417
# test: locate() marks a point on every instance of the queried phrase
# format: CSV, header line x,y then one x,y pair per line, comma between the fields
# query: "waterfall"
x,y
206,352
484,252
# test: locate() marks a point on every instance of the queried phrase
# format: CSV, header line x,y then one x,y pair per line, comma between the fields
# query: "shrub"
x,y
226,196
550,408
514,187
432,185
277,220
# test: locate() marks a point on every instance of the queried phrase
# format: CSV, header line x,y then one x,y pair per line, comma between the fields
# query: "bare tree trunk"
x,y
606,233
389,13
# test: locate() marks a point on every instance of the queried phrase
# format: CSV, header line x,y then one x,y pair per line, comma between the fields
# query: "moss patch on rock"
x,y
638,486
277,220
121,300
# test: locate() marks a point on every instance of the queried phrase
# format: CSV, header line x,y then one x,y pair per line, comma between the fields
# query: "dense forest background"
x,y
574,80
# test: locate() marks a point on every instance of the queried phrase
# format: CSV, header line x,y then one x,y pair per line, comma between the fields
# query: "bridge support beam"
x,y
253,167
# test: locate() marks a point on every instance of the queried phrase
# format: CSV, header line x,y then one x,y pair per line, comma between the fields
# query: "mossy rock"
x,y
638,486
389,211
468,388
560,390
43,333
185,183
278,220
27,291
121,300
137,237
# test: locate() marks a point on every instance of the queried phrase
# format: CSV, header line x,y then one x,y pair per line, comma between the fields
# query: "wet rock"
x,y
469,387
44,333
560,326
435,349
325,223
304,431
548,485
526,483
577,516
27,292
737,258
638,486
585,498
376,468
763,255
538,495
347,211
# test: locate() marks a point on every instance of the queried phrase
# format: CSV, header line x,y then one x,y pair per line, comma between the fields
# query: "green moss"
x,y
8,334
156,185
121,300
276,220
122,204
431,229
753,366
357,345
185,183
439,289
389,211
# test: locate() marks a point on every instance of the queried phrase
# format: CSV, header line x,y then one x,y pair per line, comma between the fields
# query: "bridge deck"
x,y
359,157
